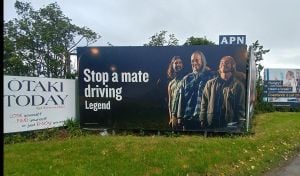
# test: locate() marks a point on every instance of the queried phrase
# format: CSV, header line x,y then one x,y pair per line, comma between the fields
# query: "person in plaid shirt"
x,y
190,94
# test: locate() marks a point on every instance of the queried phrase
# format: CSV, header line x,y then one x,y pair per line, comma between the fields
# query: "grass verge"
x,y
276,138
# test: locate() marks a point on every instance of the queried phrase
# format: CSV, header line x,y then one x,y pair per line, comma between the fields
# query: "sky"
x,y
275,24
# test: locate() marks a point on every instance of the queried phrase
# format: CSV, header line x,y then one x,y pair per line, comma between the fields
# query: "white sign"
x,y
32,103
282,86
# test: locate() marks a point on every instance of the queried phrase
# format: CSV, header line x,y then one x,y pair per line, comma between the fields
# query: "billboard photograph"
x,y
181,88
282,87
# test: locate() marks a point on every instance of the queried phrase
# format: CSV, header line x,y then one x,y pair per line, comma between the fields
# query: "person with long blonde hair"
x,y
174,73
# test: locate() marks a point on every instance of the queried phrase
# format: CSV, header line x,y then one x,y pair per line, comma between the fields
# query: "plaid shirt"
x,y
191,94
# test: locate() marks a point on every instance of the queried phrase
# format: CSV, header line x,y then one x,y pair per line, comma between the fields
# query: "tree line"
x,y
40,42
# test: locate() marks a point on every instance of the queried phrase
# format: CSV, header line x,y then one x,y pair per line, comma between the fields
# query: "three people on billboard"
x,y
207,100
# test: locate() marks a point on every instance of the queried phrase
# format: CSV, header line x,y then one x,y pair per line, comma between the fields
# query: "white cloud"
x,y
282,58
131,22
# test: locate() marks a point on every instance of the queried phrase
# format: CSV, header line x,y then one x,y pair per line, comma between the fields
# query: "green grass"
x,y
276,138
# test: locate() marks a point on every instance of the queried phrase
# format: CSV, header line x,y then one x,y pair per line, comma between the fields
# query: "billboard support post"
x,y
251,87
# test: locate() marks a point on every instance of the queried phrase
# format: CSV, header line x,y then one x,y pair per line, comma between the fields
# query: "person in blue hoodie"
x,y
190,95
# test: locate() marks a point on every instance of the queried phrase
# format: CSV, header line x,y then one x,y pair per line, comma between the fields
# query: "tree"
x,y
198,41
258,52
39,42
159,39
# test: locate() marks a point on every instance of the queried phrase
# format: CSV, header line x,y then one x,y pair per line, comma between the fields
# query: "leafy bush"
x,y
73,127
14,138
45,134
262,107
288,109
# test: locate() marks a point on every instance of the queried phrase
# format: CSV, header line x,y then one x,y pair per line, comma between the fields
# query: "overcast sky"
x,y
131,22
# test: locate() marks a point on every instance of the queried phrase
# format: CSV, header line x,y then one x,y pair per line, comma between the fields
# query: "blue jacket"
x,y
190,94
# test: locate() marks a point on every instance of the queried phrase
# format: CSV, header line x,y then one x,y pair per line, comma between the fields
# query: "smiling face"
x,y
226,65
196,62
289,75
177,65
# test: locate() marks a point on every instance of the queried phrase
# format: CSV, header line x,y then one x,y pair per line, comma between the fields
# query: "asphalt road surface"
x,y
291,168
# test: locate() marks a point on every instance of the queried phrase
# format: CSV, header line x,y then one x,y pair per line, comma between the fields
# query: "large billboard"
x,y
282,87
32,103
184,88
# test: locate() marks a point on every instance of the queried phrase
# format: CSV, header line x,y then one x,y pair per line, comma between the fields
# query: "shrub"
x,y
262,107
45,134
14,138
73,127
288,109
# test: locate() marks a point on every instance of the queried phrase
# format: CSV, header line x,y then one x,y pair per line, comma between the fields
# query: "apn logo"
x,y
232,40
